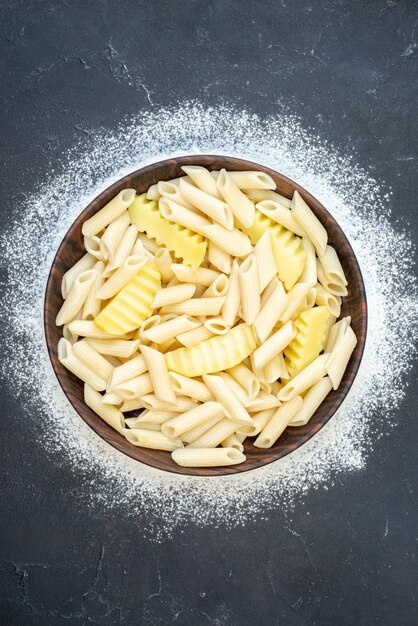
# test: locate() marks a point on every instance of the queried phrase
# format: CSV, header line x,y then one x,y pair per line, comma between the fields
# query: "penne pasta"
x,y
131,405
190,387
109,414
161,383
235,387
171,328
195,336
197,306
200,414
92,359
136,387
171,190
242,207
233,297
278,422
260,420
108,213
125,249
215,209
112,398
201,177
85,263
309,274
262,402
246,378
207,457
272,307
281,215
151,439
215,435
218,288
92,303
201,276
217,325
129,268
337,289
311,401
252,180
259,195
249,289
151,402
266,263
305,379
126,371
275,344
173,295
309,223
219,258
92,246
325,298
113,236
275,368
115,347
233,441
69,360
153,193
335,332
332,267
296,298
164,262
340,356
76,297
233,408
198,431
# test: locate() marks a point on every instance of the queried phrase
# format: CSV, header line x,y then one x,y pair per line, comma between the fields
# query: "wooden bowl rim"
x,y
148,456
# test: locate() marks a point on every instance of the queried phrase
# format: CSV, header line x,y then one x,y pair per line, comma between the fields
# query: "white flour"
x,y
355,199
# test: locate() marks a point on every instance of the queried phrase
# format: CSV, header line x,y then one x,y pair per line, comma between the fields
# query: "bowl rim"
x,y
97,424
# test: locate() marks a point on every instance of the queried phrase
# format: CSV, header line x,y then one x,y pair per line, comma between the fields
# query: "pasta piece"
x,y
85,263
184,243
340,356
260,420
252,180
325,298
131,266
242,207
92,303
201,177
219,258
295,300
213,355
309,223
172,328
249,289
207,457
147,242
197,306
275,368
149,323
233,441
233,297
217,325
95,361
309,274
281,215
275,343
259,195
136,387
67,334
195,337
305,379
164,262
69,360
151,402
131,405
173,295
287,248
155,417
92,246
272,309
113,236
170,190
266,263
236,388
215,209
278,422
109,414
311,326
160,379
332,267
153,193
263,402
195,433
246,378
125,249
213,437
201,276
132,305
150,439
312,400
147,426
336,332
202,413
108,213
338,289
218,288
232,241
76,297
114,347
229,401
190,387
112,398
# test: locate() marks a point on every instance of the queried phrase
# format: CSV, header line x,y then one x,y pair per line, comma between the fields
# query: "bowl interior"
x,y
71,249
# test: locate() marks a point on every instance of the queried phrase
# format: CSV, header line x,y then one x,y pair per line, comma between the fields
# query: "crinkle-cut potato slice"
x,y
213,355
287,248
184,243
132,305
309,341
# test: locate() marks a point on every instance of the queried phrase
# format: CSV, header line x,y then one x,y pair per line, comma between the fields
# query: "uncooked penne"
x,y
113,236
234,441
217,325
196,307
202,413
76,297
223,394
215,209
190,387
309,274
195,336
158,372
274,344
164,262
108,213
213,436
171,328
275,368
214,457
92,245
332,266
311,401
259,195
173,295
131,266
171,191
325,298
271,309
260,420
340,356
219,258
278,422
85,263
305,379
202,276
280,214
115,347
109,414
295,299
69,360
136,387
93,359
309,223
242,207
233,297
246,378
92,303
252,180
338,289
151,402
218,288
249,289
130,369
151,439
266,264
125,249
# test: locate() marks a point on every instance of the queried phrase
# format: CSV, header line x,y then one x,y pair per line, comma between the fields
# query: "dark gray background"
x,y
348,70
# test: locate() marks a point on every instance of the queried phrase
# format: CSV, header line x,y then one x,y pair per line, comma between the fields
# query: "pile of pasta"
x,y
208,306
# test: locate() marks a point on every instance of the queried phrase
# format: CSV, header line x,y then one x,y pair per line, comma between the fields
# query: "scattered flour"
x,y
354,198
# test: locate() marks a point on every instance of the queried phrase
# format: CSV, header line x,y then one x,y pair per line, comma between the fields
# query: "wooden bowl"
x,y
71,249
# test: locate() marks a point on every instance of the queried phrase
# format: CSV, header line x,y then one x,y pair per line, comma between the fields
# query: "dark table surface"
x,y
348,70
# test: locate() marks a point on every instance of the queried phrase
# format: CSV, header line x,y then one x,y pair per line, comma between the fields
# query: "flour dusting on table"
x,y
352,196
